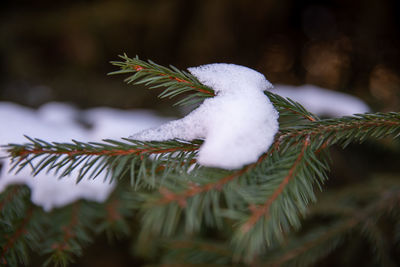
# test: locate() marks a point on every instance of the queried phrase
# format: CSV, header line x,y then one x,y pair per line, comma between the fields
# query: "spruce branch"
x,y
116,224
260,203
309,248
289,108
11,241
153,75
306,248
70,235
68,231
295,195
322,133
114,157
263,210
376,125
342,131
178,82
7,197
195,189
20,227
276,206
116,216
72,228
283,187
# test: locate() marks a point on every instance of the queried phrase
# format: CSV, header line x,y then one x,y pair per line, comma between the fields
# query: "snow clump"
x,y
238,124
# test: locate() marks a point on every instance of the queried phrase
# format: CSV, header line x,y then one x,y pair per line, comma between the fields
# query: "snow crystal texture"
x,y
238,124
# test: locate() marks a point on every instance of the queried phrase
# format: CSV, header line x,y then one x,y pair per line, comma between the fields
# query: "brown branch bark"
x,y
116,152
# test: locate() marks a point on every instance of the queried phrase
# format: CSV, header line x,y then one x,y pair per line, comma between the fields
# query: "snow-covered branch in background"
x,y
62,122
322,101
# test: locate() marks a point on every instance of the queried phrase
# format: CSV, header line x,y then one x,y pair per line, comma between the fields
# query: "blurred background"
x,y
60,50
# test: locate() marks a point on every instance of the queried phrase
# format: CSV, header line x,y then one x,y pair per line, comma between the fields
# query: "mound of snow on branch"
x,y
238,124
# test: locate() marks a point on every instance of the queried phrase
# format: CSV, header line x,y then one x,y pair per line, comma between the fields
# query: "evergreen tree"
x,y
189,214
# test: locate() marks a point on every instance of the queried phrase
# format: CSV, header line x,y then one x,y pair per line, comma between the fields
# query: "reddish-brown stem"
x,y
68,230
194,189
9,196
322,129
112,210
297,251
259,211
322,147
189,83
17,234
116,152
301,114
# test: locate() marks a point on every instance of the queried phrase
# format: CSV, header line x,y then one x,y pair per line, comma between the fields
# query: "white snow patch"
x,y
109,123
57,122
58,113
238,124
322,101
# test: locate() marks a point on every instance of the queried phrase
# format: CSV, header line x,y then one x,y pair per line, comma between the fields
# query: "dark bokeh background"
x,y
60,50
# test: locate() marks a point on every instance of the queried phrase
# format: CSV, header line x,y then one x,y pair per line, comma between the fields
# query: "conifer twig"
x,y
113,214
259,211
68,230
194,189
388,198
266,199
176,82
20,231
8,197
